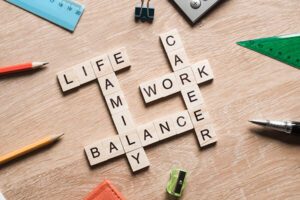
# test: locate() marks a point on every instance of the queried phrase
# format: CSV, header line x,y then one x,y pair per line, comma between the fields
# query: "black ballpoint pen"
x,y
289,127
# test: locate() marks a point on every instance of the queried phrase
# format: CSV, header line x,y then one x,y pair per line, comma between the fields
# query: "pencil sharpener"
x,y
177,182
195,9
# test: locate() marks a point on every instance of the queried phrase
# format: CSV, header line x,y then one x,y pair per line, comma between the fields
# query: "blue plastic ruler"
x,y
65,13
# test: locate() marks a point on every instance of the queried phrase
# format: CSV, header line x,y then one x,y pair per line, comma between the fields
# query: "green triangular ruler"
x,y
285,48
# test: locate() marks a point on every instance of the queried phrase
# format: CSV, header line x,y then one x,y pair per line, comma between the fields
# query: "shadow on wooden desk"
x,y
170,197
276,135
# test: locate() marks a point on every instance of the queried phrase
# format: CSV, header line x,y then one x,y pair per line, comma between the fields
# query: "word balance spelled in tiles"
x,y
184,79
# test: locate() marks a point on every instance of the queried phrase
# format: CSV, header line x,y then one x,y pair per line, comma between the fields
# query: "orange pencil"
x,y
29,148
21,67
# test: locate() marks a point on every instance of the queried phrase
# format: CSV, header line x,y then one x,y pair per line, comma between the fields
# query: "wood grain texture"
x,y
246,163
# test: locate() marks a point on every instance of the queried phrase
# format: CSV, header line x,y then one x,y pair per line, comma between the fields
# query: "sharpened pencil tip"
x,y
45,63
56,137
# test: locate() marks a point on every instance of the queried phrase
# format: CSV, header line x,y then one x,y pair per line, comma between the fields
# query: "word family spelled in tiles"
x,y
132,138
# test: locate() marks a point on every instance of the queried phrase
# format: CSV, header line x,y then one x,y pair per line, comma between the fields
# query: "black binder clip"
x,y
144,13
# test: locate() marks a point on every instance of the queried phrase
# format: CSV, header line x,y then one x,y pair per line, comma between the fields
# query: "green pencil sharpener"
x,y
177,182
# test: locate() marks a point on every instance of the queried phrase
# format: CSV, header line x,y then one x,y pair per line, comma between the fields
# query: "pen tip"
x,y
45,63
258,122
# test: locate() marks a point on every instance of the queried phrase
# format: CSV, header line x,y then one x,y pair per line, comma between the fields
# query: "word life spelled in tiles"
x,y
184,79
97,67
132,138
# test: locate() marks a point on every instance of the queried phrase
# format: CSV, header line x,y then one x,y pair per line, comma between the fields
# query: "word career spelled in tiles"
x,y
131,138
184,79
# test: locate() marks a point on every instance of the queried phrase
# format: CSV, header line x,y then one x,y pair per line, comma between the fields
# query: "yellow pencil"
x,y
29,148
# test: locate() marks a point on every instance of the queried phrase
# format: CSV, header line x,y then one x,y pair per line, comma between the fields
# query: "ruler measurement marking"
x,y
64,13
271,52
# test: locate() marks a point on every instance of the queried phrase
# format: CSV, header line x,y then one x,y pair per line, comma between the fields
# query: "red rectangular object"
x,y
105,191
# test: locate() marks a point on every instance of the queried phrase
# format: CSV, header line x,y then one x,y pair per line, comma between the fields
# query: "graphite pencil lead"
x,y
39,64
56,137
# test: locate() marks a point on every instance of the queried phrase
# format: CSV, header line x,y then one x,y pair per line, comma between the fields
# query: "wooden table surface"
x,y
247,162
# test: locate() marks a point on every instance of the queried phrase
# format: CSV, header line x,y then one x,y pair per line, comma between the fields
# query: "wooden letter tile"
x,y
68,79
147,134
137,159
123,121
192,96
202,71
130,141
167,85
171,41
182,122
116,102
119,59
178,59
112,147
109,84
164,128
85,72
149,91
95,153
101,65
185,77
206,135
199,116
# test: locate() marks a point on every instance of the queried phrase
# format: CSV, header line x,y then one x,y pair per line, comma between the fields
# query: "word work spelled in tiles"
x,y
130,140
123,121
147,134
137,159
